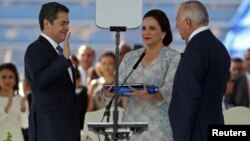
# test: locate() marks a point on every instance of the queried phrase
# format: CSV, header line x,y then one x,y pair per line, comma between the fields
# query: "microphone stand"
x,y
106,134
117,29
107,109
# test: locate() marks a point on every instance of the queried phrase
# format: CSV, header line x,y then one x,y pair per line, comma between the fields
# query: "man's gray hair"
x,y
195,11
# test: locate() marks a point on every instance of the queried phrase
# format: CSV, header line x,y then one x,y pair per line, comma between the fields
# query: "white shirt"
x,y
51,41
197,31
84,75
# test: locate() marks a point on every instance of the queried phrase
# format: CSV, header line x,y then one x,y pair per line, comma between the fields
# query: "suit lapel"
x,y
50,49
52,52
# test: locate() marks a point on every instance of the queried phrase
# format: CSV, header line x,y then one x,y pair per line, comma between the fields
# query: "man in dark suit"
x,y
236,70
53,115
240,95
201,77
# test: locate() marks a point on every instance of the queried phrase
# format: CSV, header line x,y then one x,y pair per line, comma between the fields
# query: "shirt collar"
x,y
52,42
197,31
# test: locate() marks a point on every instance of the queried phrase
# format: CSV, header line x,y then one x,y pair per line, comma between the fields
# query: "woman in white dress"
x,y
13,116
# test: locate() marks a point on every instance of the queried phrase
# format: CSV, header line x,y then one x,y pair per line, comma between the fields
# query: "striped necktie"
x,y
60,50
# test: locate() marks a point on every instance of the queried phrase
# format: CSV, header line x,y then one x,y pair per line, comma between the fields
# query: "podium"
x,y
124,131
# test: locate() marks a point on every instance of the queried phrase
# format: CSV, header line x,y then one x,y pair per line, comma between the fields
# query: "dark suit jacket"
x,y
199,85
53,115
239,96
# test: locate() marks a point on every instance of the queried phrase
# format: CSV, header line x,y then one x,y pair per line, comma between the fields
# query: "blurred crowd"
x,y
237,91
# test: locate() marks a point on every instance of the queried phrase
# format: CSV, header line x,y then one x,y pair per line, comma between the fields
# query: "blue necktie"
x,y
60,50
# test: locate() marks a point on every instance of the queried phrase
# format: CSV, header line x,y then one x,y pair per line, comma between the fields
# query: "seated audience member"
x,y
236,69
81,97
241,92
107,61
124,48
86,57
27,97
93,73
74,60
13,116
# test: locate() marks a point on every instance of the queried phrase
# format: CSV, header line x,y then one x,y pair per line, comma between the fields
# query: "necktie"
x,y
60,50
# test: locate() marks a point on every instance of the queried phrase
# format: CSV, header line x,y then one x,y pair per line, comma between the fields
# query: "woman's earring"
x,y
163,36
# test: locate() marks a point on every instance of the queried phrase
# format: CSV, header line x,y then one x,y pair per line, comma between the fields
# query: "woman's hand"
x,y
106,92
142,94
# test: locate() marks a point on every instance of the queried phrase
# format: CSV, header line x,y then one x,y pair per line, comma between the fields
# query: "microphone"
x,y
111,101
138,61
134,67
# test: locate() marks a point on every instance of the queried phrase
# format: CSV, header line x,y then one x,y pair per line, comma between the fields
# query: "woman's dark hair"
x,y
163,21
49,12
12,68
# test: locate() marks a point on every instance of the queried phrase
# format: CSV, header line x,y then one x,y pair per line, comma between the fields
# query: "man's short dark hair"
x,y
49,12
